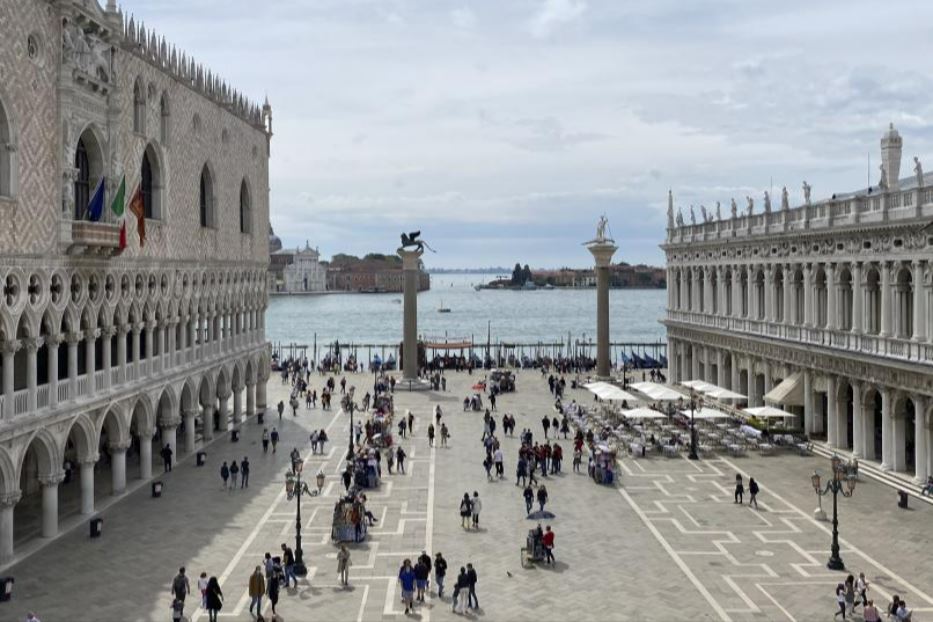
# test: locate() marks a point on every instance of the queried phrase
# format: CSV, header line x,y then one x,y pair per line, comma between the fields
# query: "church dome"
x,y
275,244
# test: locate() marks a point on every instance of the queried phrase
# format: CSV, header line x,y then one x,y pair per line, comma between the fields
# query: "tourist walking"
x,y
475,507
445,434
234,471
440,571
472,599
497,458
257,587
461,584
840,601
180,585
406,577
224,474
288,560
577,459
244,473
542,496
167,457
850,593
546,424
465,511
752,492
272,590
215,599
430,435
178,610
521,471
861,586
275,438
343,565
281,408
265,440
400,459
422,572
202,589
739,488
548,541
411,421
529,495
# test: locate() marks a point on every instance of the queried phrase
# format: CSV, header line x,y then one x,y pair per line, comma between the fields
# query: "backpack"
x,y
179,586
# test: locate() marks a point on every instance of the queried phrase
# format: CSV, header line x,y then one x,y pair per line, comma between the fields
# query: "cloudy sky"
x,y
503,128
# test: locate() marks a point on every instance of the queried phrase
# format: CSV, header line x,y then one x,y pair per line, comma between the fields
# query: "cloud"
x,y
463,17
555,13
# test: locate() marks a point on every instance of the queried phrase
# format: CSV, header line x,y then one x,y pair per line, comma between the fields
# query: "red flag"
x,y
137,206
122,234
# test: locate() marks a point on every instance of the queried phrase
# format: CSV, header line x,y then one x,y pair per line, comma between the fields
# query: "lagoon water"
x,y
510,316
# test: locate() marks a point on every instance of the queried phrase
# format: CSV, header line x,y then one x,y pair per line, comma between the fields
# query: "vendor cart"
x,y
533,551
349,523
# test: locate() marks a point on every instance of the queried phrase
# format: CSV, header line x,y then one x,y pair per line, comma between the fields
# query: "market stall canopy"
x,y
726,394
768,412
699,385
643,413
712,390
705,413
606,391
788,393
657,392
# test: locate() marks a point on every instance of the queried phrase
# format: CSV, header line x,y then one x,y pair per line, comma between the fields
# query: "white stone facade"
x,y
835,294
305,273
107,351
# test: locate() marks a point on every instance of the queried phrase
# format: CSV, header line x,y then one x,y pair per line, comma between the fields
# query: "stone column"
x,y
858,421
720,368
707,290
885,299
898,441
261,395
735,373
32,345
118,466
694,362
121,353
919,309
50,503
766,368
170,348
51,343
137,328
237,406
602,251
87,484
807,296
150,343
736,291
770,312
9,349
857,302
106,334
72,340
751,298
250,399
808,414
145,453
887,431
90,337
190,437
788,296
410,270
207,421
169,429
832,413
224,412
8,502
921,440
754,399
831,293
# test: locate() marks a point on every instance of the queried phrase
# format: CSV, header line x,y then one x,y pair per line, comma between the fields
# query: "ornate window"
x,y
139,107
151,183
164,116
246,217
207,198
7,152
82,180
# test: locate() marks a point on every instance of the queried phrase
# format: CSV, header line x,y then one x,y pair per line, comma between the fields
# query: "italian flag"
x,y
118,207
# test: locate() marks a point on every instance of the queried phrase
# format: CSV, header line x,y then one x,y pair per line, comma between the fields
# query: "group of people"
x,y
414,580
853,592
230,473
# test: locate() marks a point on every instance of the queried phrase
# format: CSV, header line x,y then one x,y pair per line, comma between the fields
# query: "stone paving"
x,y
668,544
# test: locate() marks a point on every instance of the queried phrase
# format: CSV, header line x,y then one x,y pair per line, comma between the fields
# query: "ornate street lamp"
x,y
294,487
842,483
696,401
350,405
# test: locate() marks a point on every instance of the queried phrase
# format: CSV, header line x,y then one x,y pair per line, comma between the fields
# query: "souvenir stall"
x,y
603,470
349,523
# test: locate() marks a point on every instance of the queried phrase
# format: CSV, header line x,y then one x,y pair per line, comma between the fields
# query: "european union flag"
x,y
96,206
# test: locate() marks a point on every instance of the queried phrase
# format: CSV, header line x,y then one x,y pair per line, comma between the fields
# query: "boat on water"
x,y
443,309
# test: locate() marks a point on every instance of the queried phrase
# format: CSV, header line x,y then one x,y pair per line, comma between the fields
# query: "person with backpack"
x,y
752,492
275,438
180,585
265,440
224,474
215,599
739,488
440,571
257,587
466,511
234,471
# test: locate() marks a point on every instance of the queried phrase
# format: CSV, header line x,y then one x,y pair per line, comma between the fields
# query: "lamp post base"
x,y
835,563
819,514
300,569
693,455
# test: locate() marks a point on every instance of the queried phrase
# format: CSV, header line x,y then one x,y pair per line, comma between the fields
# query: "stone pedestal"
x,y
411,271
602,252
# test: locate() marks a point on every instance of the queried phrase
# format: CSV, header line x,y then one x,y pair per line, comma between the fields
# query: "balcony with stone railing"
x,y
847,210
846,341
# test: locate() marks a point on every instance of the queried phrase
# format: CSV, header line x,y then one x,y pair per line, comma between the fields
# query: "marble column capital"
x,y
32,344
92,333
54,340
137,327
10,499
89,459
11,346
52,479
190,414
117,447
73,338
108,331
145,433
170,423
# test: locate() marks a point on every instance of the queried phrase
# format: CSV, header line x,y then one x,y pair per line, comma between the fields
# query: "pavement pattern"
x,y
668,543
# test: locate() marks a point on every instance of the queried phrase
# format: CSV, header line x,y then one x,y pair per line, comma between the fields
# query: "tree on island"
x,y
518,274
526,274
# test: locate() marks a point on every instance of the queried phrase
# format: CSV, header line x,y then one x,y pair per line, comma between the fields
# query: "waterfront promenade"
x,y
667,544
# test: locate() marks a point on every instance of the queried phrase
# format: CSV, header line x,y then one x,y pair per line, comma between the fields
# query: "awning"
x,y
768,412
699,385
705,413
610,392
657,392
712,390
643,413
788,393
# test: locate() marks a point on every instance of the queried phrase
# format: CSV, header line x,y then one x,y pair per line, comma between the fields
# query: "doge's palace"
x,y
822,308
116,345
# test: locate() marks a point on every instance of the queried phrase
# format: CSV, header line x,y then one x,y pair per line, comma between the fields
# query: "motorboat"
x,y
443,309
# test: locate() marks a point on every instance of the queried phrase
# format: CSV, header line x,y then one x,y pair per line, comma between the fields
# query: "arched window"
x,y
7,153
207,198
89,166
139,107
164,116
246,218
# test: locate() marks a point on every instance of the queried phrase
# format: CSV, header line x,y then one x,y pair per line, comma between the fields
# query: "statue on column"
x,y
670,209
751,205
785,201
693,216
882,183
410,240
918,169
680,218
806,192
767,202
718,211
735,209
601,228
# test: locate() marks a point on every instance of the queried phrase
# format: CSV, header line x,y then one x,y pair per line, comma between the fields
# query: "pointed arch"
x,y
139,106
246,209
151,182
8,172
47,452
85,437
89,167
206,197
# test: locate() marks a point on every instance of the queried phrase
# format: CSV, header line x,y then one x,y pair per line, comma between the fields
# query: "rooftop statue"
x,y
680,217
693,216
703,214
735,209
718,211
767,202
751,205
918,169
806,192
670,209
785,202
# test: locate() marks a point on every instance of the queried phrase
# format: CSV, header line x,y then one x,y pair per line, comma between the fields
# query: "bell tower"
x,y
891,144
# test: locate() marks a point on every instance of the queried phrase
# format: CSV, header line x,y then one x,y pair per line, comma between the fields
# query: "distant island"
x,y
621,276
492,270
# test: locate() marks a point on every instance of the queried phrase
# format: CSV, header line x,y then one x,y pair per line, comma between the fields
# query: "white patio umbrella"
x,y
768,412
705,414
643,413
610,392
725,394
657,392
